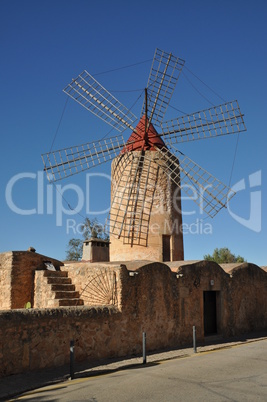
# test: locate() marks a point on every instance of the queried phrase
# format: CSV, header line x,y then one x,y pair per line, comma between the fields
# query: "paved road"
x,y
237,373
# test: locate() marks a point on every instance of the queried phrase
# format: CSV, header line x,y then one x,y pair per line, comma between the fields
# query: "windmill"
x,y
146,175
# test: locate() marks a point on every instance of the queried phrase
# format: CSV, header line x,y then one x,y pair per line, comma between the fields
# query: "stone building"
x,y
17,275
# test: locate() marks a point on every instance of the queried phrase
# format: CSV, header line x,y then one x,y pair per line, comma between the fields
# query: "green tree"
x,y
74,250
223,255
92,228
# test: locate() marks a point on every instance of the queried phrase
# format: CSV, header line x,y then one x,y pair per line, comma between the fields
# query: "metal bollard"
x,y
194,340
144,348
72,360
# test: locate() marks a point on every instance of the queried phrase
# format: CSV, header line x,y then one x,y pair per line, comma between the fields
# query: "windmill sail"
x,y
94,97
219,120
69,161
203,188
164,74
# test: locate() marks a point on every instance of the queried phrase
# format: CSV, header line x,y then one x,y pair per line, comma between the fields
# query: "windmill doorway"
x,y
166,248
210,299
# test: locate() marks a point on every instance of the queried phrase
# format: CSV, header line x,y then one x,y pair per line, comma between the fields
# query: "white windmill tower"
x,y
145,215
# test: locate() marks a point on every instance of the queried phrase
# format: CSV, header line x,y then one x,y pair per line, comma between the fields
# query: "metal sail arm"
x,y
208,192
69,161
94,97
219,120
164,74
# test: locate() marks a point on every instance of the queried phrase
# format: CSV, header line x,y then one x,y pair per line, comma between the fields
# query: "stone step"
x,y
64,293
67,294
63,287
60,280
56,274
70,302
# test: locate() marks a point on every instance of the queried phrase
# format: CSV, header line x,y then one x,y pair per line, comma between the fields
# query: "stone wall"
x,y
164,301
248,298
150,302
171,297
194,279
34,339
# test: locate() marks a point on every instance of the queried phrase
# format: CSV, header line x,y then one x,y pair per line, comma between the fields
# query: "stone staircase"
x,y
55,289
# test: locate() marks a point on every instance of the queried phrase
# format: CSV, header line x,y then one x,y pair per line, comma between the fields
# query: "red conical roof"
x,y
140,140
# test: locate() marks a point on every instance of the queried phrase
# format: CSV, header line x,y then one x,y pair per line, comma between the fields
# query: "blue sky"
x,y
44,44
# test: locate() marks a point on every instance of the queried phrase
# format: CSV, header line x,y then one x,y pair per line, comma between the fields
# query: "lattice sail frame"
x,y
208,192
216,121
165,71
69,161
89,93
